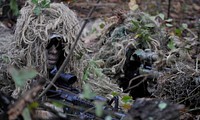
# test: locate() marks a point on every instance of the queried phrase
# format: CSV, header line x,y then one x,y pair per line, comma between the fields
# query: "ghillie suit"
x,y
6,39
33,32
118,45
32,38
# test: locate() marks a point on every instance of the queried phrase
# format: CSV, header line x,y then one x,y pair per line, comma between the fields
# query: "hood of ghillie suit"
x,y
33,32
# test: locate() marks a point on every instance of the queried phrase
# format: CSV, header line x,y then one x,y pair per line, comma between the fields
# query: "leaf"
x,y
162,16
133,5
178,32
37,10
21,76
33,105
171,45
102,25
87,92
58,104
126,99
162,105
98,72
6,59
169,25
108,118
26,114
99,108
139,52
14,7
169,20
86,73
45,4
150,25
115,93
185,26
34,1
135,25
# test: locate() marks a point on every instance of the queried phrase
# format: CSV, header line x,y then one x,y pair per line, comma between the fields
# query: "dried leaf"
x,y
133,5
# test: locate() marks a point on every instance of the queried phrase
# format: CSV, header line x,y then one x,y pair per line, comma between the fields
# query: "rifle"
x,y
74,104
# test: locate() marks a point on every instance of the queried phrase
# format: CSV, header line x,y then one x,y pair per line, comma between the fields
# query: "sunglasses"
x,y
55,41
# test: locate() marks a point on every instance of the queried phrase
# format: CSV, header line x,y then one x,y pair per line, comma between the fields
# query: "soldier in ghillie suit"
x,y
32,39
43,41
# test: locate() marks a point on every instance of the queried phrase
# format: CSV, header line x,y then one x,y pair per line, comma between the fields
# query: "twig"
x,y
129,88
168,11
66,61
197,63
94,4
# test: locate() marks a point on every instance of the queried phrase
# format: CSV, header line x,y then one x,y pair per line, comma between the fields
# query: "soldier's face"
x,y
52,56
53,53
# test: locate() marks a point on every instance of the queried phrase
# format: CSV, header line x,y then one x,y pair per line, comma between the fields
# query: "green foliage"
x,y
99,108
169,25
14,7
127,99
87,92
139,52
184,26
92,68
33,105
21,76
108,118
57,104
40,5
162,105
143,29
6,58
102,25
162,16
114,93
179,31
171,45
37,10
26,114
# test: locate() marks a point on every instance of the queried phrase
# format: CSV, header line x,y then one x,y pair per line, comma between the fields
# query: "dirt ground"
x,y
181,11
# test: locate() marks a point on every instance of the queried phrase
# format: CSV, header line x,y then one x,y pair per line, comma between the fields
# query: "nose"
x,y
53,50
